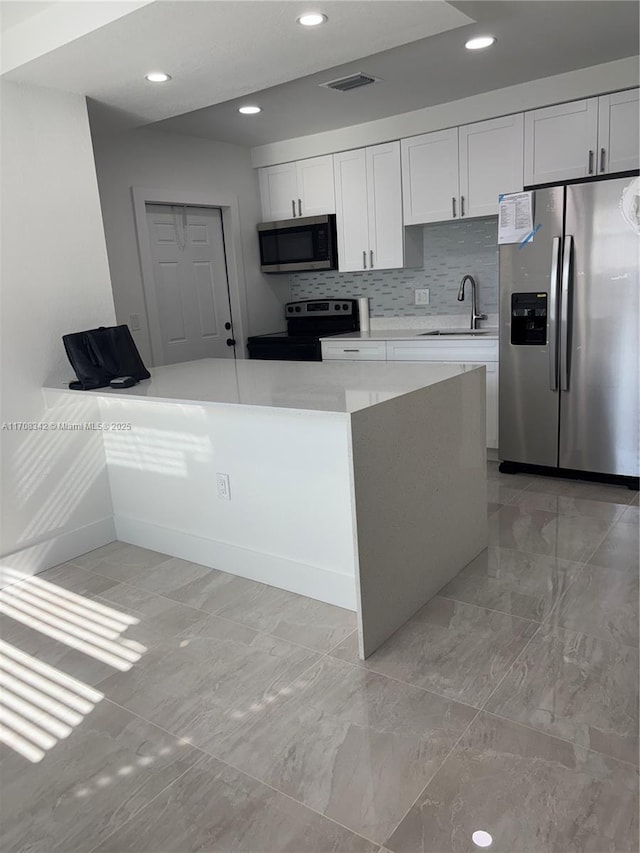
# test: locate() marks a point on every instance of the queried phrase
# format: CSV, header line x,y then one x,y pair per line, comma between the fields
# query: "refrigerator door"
x,y
529,396
599,341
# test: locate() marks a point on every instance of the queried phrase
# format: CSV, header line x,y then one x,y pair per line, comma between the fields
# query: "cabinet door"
x,y
315,185
278,192
560,142
384,200
491,162
352,220
618,118
430,177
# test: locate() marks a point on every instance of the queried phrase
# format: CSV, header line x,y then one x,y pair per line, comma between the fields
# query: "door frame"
x,y
228,206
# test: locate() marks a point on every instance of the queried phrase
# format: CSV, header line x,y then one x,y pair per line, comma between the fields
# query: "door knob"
x,y
227,326
231,342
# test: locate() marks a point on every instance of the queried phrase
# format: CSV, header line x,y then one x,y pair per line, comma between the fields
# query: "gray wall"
x,y
451,249
55,280
153,159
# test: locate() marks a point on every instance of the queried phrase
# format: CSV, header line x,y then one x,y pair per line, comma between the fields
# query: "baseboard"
x,y
492,454
312,581
55,550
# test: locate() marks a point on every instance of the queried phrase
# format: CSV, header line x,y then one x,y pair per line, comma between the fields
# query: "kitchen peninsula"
x,y
362,485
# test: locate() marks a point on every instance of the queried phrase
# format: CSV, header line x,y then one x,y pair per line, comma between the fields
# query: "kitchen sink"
x,y
450,332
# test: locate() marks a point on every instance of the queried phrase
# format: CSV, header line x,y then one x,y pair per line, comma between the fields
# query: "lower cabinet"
x,y
469,351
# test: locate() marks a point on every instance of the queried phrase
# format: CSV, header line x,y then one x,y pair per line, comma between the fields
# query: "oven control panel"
x,y
321,308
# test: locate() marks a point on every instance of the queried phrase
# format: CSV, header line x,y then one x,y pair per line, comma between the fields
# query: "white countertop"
x,y
412,334
308,386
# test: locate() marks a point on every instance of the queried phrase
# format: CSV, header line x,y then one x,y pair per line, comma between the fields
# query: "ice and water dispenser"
x,y
529,319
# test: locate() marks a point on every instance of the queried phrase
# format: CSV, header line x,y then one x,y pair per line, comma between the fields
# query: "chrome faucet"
x,y
474,305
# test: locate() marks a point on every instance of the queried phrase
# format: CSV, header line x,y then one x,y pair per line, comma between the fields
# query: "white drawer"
x,y
354,350
468,350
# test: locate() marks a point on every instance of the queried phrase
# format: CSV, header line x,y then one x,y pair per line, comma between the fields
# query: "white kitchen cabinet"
x,y
491,157
618,120
369,208
278,191
468,351
430,177
560,143
354,350
301,188
457,173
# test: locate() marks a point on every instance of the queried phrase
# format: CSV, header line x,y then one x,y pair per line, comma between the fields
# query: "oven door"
x,y
285,348
296,245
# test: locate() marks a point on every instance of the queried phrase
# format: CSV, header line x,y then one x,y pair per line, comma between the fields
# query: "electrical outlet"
x,y
421,296
134,322
222,483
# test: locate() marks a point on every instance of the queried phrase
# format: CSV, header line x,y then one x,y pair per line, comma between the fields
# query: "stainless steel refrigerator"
x,y
569,381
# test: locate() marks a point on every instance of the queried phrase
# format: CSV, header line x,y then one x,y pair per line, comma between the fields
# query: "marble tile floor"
x,y
153,705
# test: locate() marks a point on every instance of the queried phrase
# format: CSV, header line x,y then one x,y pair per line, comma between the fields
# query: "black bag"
x,y
99,355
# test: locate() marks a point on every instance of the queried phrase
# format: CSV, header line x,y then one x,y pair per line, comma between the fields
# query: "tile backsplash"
x,y
451,249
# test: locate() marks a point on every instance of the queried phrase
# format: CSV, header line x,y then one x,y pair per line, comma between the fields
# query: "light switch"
x,y
421,296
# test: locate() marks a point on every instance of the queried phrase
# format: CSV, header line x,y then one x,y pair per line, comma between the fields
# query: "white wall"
x,y
55,279
149,158
574,85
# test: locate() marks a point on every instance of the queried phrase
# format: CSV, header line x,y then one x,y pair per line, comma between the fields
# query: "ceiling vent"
x,y
353,81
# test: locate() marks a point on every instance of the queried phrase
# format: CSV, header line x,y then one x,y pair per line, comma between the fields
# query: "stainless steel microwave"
x,y
295,245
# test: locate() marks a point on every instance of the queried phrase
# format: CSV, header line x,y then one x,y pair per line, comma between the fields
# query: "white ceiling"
x,y
216,50
534,39
221,51
13,13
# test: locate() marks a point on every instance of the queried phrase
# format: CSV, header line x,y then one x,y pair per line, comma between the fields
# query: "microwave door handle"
x,y
553,315
565,307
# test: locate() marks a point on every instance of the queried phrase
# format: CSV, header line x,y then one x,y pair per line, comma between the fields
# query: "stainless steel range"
x,y
307,321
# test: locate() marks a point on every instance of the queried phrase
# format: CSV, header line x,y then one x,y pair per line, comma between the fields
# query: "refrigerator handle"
x,y
564,313
553,315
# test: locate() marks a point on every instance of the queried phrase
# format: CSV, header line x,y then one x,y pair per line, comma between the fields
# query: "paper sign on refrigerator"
x,y
515,218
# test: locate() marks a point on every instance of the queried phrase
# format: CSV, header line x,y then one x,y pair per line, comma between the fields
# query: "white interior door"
x,y
190,317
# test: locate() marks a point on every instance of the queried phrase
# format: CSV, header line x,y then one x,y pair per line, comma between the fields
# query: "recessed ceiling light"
x,y
479,42
249,110
157,77
481,838
312,19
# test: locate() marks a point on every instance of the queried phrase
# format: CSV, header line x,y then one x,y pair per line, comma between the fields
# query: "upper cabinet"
x,y
369,208
618,120
303,188
430,177
460,172
491,162
591,137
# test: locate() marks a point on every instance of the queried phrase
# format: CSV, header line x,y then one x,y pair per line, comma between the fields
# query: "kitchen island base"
x,y
363,485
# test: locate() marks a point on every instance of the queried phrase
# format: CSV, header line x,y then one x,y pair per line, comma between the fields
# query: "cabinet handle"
x,y
602,159
293,208
461,205
590,169
364,260
371,258
350,350
299,207
453,206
